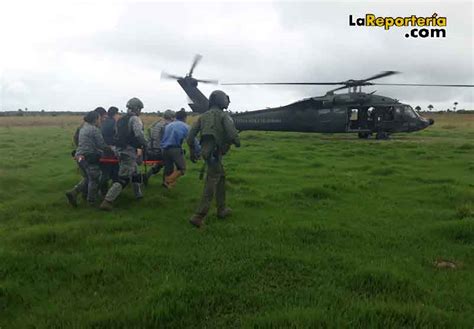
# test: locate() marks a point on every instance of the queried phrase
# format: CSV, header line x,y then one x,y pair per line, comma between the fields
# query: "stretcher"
x,y
114,160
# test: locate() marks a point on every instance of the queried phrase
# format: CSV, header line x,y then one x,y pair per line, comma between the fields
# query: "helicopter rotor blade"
x,y
196,60
349,82
283,83
422,85
380,75
210,81
165,75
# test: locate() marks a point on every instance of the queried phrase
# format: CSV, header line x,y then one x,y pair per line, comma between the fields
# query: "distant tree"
x,y
448,110
455,104
430,107
418,108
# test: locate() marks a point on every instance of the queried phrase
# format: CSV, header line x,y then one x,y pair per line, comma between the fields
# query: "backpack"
x,y
211,125
124,135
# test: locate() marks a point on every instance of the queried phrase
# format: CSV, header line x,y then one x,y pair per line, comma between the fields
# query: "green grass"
x,y
327,231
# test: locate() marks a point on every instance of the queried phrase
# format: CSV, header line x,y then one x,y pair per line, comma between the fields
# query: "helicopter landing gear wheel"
x,y
382,135
364,135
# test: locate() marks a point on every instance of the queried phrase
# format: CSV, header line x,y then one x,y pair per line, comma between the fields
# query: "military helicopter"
x,y
352,112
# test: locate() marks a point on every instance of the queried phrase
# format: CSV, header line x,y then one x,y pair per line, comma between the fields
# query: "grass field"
x,y
327,231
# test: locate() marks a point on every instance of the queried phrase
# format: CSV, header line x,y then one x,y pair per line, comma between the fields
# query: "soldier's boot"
x,y
170,181
224,212
72,197
111,195
106,205
137,190
197,220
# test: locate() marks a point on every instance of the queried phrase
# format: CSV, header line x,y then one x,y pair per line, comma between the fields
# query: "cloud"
x,y
80,56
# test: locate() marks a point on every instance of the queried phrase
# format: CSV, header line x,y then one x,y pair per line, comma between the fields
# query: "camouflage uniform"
x,y
154,151
128,167
217,133
80,187
91,145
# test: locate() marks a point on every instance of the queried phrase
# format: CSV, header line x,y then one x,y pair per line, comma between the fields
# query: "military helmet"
x,y
219,98
169,114
134,105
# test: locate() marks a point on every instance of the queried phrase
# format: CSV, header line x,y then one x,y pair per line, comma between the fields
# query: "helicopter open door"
x,y
385,118
358,119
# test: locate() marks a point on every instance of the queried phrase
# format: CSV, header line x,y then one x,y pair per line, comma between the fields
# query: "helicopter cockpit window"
x,y
410,112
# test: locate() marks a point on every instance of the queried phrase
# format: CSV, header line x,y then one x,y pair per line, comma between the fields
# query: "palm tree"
x,y
455,104
418,108
430,107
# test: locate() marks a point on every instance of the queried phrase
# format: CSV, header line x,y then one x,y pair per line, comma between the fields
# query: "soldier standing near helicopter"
x,y
218,132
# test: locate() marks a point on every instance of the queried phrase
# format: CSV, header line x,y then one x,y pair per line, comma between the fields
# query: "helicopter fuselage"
x,y
336,113
353,112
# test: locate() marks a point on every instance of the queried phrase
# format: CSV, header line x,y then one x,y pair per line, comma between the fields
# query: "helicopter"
x,y
351,112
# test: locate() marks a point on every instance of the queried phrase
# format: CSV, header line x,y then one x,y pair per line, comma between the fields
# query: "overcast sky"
x,y
80,55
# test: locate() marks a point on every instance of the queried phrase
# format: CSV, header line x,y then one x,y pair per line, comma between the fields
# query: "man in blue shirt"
x,y
173,154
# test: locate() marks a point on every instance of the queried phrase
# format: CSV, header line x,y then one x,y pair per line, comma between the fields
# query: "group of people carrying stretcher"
x,y
110,147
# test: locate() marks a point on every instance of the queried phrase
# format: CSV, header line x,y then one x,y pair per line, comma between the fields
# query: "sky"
x,y
75,56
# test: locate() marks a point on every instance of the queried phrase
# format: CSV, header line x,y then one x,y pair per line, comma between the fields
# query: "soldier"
x,y
173,154
108,125
109,170
91,145
154,151
130,139
82,185
102,115
218,132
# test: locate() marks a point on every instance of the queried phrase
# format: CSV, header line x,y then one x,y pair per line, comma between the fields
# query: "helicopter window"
x,y
410,112
389,115
353,114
